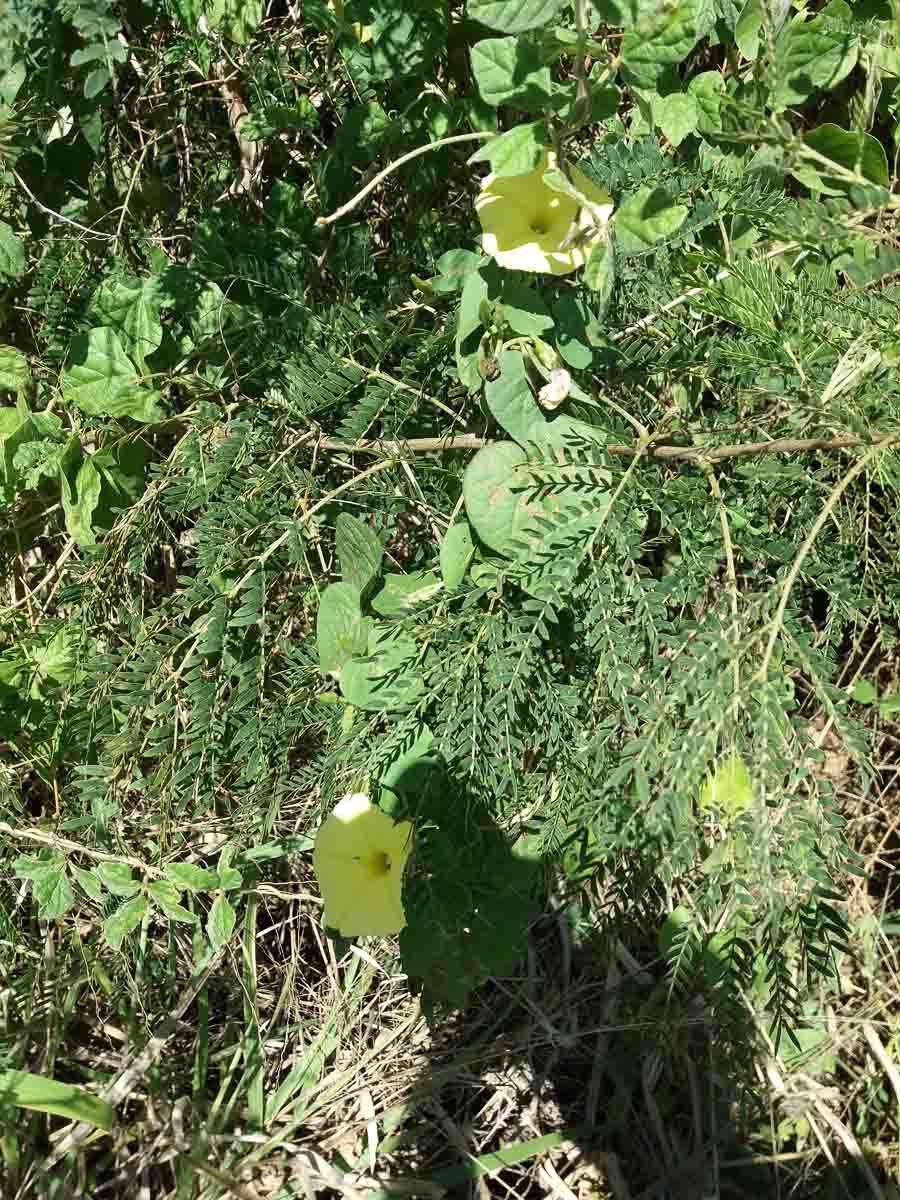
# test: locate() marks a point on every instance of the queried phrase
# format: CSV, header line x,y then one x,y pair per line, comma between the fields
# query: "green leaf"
x,y
341,629
721,855
96,81
604,100
189,878
47,424
286,206
405,38
34,461
645,218
572,316
729,789
15,373
813,55
12,76
117,878
102,381
122,468
229,878
469,318
408,775
124,920
16,428
814,1053
386,680
707,89
234,19
12,253
497,513
51,663
510,71
214,316
663,37
511,401
600,271
624,12
468,905
454,268
508,511
558,181
266,121
514,16
359,552
678,920
457,549
468,322
103,47
33,866
864,692
40,1094
515,152
851,149
131,307
54,894
522,308
49,883
220,925
88,882
747,30
888,705
402,593
166,896
677,115
80,501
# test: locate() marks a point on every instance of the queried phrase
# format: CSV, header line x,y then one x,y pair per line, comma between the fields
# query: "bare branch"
x,y
696,454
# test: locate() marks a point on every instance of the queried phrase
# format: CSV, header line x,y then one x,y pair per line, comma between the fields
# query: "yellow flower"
x,y
362,33
527,226
358,859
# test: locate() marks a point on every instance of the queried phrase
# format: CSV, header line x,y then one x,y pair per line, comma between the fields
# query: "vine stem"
x,y
827,508
94,233
44,838
395,166
695,454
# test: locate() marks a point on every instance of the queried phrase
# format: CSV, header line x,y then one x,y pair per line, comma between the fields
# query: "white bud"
x,y
553,393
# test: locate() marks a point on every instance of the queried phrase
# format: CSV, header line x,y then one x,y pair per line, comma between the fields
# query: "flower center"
x,y
380,864
538,226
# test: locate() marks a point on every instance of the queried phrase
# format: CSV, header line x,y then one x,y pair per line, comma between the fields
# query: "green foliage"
x,y
40,1094
511,71
234,19
293,508
12,253
341,629
102,381
514,16
359,552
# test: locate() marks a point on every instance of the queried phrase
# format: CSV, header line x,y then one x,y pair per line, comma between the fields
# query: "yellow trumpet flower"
x,y
359,859
362,33
528,226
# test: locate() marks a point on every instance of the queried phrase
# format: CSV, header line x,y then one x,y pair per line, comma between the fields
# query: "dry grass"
x,y
578,1077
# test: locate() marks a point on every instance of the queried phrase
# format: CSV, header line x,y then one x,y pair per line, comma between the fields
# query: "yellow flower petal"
x,y
359,859
526,224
